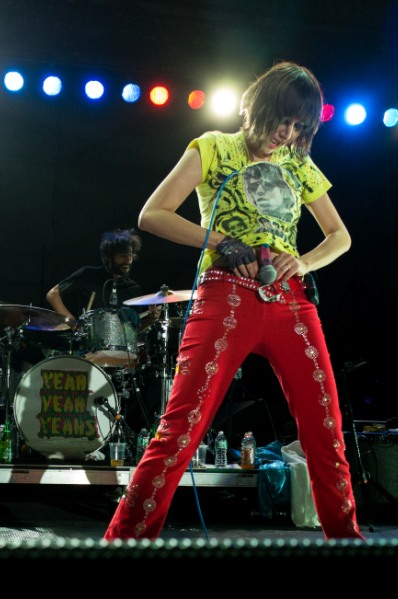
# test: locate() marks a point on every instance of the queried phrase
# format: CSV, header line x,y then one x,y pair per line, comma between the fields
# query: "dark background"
x,y
70,168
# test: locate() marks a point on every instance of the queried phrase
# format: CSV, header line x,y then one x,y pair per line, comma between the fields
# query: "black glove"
x,y
235,252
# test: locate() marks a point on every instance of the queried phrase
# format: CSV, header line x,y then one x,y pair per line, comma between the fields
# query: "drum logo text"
x,y
64,405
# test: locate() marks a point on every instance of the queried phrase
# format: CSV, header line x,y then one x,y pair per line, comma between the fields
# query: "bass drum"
x,y
56,411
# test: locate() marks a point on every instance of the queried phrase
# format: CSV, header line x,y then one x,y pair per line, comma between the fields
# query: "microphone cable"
x,y
194,286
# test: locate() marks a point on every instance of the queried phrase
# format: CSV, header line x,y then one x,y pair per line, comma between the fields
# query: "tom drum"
x,y
111,340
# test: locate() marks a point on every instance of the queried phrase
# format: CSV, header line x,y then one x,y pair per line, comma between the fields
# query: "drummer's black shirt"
x,y
77,288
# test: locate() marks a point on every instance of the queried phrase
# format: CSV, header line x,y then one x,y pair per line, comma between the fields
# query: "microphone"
x,y
103,401
267,273
113,299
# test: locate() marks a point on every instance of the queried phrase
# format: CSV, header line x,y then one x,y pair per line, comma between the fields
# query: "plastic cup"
x,y
199,458
117,454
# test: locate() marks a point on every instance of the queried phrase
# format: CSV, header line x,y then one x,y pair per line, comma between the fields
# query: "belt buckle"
x,y
264,293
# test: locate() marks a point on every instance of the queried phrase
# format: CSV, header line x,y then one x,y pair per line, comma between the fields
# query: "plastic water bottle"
x,y
248,451
143,439
221,450
7,443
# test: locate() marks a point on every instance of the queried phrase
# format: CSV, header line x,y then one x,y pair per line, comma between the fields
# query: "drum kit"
x,y
67,405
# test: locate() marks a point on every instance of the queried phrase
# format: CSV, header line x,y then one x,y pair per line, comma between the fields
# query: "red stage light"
x,y
196,99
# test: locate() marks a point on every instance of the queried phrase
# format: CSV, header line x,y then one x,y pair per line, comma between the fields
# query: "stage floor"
x,y
51,512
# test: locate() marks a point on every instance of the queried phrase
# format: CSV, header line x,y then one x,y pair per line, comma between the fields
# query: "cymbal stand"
x,y
137,393
165,374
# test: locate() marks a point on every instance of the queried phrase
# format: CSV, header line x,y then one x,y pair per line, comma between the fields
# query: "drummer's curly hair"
x,y
119,241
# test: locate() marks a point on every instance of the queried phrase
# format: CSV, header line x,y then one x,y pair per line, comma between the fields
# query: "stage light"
x,y
159,95
52,86
131,93
13,81
390,118
94,90
355,114
224,102
196,99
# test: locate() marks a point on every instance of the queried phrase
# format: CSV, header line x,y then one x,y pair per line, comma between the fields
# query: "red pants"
x,y
229,320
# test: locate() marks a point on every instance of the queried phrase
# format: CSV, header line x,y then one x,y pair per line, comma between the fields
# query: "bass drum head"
x,y
55,409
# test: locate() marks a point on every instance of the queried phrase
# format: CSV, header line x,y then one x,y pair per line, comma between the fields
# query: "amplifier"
x,y
378,452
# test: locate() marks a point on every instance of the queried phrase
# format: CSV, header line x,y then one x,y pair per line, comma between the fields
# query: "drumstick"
x,y
90,301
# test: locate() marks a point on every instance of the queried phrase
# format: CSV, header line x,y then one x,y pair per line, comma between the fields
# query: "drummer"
x,y
106,286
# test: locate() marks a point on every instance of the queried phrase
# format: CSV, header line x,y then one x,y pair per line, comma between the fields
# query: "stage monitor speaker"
x,y
379,457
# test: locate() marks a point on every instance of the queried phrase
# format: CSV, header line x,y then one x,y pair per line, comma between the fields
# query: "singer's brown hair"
x,y
286,90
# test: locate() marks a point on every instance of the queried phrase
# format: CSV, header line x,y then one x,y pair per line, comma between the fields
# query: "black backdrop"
x,y
70,169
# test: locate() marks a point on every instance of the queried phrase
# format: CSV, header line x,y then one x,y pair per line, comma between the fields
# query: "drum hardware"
x,y
120,377
165,373
127,380
9,342
103,404
177,322
165,296
16,318
30,317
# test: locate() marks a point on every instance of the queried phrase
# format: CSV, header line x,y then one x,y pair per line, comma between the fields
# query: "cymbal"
x,y
164,296
31,318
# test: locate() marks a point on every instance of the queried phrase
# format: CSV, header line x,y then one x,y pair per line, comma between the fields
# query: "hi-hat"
x,y
31,318
164,296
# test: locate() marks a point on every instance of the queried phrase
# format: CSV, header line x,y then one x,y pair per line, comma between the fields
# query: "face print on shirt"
x,y
266,189
235,226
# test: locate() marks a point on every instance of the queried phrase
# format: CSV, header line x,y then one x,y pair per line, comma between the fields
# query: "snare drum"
x,y
55,407
111,340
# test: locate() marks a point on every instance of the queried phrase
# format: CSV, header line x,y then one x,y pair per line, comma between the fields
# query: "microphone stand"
x,y
103,405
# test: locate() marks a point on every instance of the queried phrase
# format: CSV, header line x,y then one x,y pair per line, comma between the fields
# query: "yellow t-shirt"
x,y
256,202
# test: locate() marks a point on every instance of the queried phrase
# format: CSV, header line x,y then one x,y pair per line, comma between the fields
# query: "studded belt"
x,y
268,293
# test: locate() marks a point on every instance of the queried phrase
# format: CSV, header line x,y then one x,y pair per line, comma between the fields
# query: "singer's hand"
x,y
286,266
240,257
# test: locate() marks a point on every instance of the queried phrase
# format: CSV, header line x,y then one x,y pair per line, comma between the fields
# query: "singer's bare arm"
x,y
158,216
